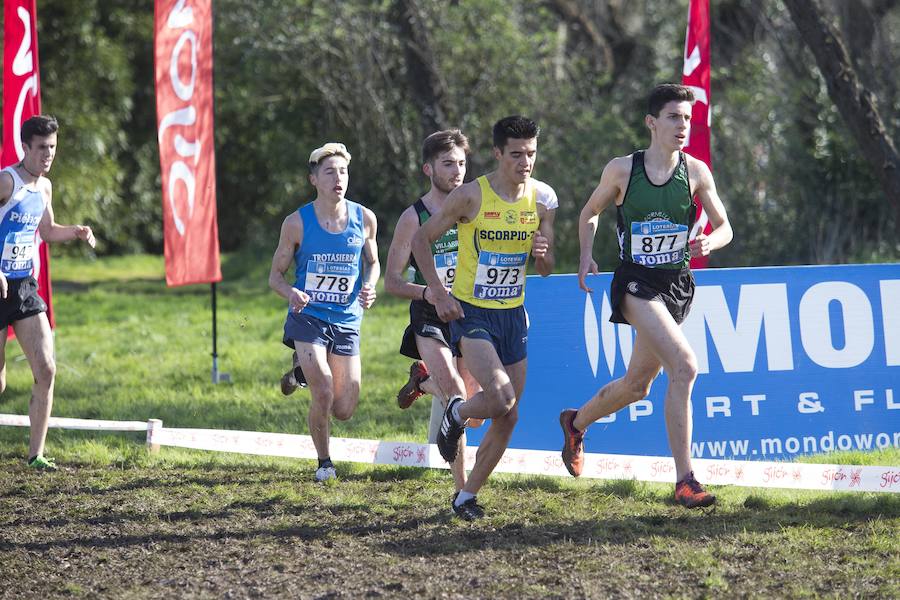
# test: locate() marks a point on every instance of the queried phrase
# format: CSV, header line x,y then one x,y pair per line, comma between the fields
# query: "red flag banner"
x,y
696,75
184,112
21,100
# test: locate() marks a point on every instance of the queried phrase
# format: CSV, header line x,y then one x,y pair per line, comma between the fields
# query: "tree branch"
x,y
855,103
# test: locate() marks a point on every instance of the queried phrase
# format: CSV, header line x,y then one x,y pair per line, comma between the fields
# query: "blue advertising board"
x,y
792,360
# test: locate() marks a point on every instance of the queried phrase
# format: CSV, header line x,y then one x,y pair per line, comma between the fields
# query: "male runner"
x,y
653,287
26,210
332,242
499,222
427,338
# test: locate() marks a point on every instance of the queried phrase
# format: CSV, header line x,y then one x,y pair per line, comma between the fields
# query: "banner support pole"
x,y
216,376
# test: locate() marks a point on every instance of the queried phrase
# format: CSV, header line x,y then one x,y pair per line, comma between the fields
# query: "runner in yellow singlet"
x,y
500,221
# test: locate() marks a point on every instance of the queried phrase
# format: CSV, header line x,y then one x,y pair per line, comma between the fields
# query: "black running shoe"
x,y
451,431
293,379
469,510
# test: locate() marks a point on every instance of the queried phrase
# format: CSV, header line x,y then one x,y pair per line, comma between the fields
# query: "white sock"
x,y
462,497
455,412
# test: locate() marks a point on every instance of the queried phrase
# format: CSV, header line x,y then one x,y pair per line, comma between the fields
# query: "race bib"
x,y
329,282
657,242
18,248
445,265
500,276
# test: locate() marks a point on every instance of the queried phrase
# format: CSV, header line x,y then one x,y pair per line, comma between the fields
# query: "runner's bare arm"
x,y
371,265
542,248
398,258
6,187
51,231
461,205
288,242
706,192
608,191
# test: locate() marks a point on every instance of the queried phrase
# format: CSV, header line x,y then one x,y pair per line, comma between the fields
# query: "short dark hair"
x,y
38,125
443,141
665,93
514,127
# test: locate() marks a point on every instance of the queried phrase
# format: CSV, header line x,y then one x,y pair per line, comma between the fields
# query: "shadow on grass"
x,y
271,507
627,530
433,534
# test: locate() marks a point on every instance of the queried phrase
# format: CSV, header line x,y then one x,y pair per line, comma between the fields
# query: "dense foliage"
x,y
381,75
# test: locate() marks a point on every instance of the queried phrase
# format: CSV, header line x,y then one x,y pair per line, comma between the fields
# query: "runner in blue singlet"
x,y
332,242
26,217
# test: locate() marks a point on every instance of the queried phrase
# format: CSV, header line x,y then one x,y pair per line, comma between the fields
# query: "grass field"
x,y
118,522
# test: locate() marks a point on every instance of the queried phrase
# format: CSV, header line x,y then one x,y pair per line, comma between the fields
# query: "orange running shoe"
x,y
690,494
573,444
418,373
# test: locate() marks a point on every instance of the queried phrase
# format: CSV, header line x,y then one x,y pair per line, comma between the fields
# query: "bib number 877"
x,y
647,242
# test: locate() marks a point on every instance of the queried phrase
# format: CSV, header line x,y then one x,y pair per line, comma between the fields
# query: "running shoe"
x,y
690,494
450,432
325,473
469,510
418,373
293,379
42,463
573,442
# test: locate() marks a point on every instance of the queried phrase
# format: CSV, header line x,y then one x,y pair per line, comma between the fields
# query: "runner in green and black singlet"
x,y
653,221
652,287
436,370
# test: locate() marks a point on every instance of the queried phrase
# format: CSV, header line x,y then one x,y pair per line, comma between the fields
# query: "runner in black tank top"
x,y
436,370
652,288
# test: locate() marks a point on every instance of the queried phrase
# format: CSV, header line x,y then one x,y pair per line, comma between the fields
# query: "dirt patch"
x,y
257,533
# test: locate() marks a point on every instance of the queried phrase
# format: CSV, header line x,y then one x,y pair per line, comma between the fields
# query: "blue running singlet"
x,y
329,267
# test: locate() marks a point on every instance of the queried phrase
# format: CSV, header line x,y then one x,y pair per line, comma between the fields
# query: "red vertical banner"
x,y
696,75
184,113
21,100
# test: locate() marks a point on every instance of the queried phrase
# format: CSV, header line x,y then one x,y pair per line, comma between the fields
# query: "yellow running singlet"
x,y
493,249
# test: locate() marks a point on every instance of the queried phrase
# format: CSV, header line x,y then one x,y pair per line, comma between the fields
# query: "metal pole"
x,y
215,354
216,376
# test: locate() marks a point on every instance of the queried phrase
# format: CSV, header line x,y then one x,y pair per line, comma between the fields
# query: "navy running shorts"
x,y
340,341
505,328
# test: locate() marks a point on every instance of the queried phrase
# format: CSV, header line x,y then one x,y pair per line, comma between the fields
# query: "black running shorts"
x,y
424,322
22,301
673,287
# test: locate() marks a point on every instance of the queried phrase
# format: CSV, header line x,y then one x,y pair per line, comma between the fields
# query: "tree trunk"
x,y
428,89
855,103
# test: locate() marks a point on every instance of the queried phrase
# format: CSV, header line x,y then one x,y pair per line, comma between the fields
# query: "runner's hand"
x,y
541,245
4,286
84,233
298,300
448,308
367,295
699,246
585,268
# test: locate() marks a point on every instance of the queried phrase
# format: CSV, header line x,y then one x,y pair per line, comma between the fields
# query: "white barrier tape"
x,y
534,462
66,423
540,462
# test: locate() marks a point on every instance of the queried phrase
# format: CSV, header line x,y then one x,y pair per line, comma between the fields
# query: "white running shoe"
x,y
325,473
